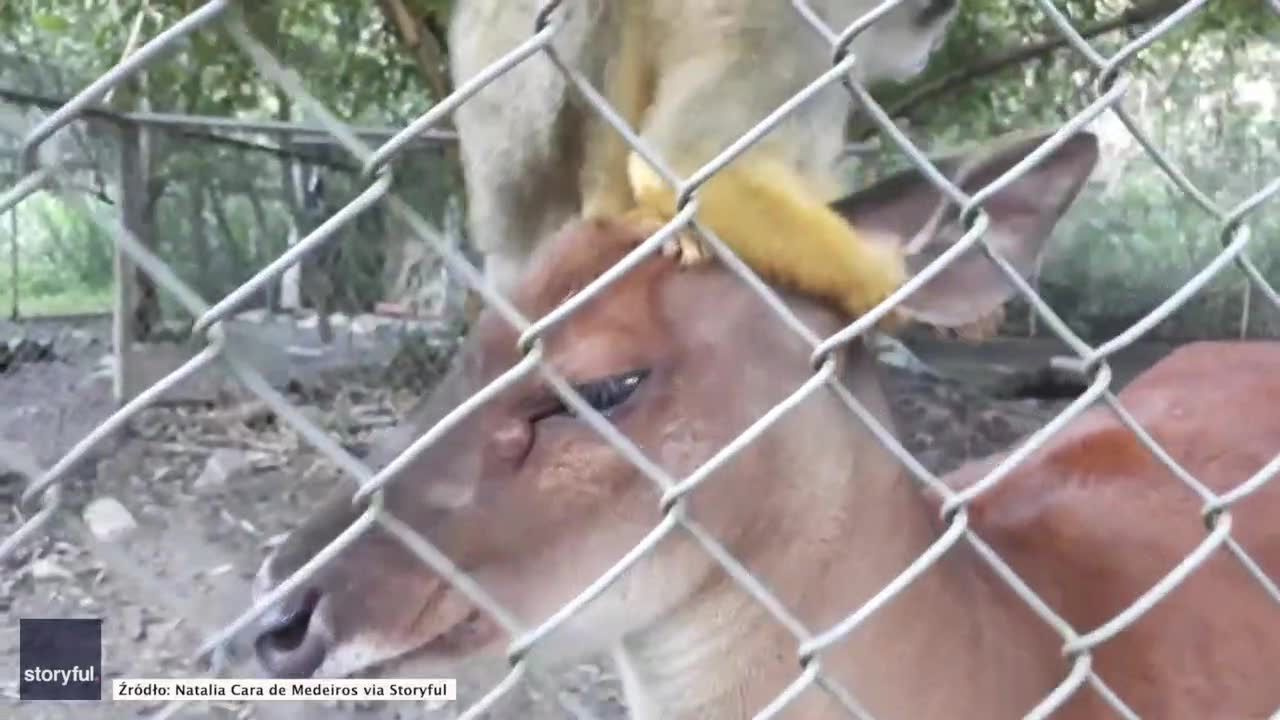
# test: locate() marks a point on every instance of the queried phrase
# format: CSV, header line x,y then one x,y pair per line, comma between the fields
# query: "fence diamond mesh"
x,y
41,500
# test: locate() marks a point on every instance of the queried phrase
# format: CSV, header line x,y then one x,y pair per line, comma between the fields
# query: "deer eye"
x,y
603,395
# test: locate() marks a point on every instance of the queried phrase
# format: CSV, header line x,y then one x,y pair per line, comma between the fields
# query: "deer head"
x,y
534,505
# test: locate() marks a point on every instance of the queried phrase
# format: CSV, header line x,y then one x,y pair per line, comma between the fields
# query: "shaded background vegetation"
x,y
221,205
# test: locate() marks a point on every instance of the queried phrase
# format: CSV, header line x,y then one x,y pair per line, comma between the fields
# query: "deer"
x,y
530,501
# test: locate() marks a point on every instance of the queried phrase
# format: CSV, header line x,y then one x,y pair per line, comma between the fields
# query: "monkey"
x,y
689,77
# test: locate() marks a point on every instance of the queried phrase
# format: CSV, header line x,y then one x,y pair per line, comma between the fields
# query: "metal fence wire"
x,y
40,501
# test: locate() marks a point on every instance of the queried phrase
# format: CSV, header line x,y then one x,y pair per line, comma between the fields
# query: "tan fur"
x,y
689,75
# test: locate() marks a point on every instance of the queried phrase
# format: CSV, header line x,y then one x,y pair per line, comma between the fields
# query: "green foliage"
x,y
1203,93
63,255
223,210
351,61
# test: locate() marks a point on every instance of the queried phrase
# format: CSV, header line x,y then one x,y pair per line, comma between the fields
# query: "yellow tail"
x,y
776,222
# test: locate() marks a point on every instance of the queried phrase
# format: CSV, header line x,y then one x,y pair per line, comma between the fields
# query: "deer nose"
x,y
290,643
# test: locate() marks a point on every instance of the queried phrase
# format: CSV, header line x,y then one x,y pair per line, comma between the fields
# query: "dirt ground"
x,y
185,570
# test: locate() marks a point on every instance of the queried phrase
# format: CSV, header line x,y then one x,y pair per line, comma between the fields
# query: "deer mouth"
x,y
455,642
449,627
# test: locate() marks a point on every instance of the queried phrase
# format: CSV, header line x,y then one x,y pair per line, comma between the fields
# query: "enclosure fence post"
x,y
132,197
14,309
1245,299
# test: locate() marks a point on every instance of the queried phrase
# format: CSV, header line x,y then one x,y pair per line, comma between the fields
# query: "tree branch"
x,y
421,43
1013,56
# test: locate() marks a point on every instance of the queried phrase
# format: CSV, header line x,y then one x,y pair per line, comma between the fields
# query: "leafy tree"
x,y
1202,93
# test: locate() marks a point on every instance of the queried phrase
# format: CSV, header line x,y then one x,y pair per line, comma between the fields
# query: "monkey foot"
x,y
687,246
689,249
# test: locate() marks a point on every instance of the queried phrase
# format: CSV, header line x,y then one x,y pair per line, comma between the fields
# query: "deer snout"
x,y
290,640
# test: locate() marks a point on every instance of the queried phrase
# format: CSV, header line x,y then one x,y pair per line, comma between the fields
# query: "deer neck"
x,y
939,649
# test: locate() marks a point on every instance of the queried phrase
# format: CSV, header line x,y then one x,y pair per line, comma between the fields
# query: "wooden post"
x,y
133,193
15,310
1244,308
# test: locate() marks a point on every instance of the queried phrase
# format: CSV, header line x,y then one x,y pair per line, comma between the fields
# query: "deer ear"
x,y
909,210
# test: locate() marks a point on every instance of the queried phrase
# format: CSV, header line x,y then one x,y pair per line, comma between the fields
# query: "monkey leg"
x,y
774,221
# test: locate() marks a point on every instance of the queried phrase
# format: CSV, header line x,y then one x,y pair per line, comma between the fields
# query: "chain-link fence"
x,y
41,500
231,196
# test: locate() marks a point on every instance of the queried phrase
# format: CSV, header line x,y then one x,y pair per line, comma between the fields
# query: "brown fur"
x,y
535,506
1090,544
